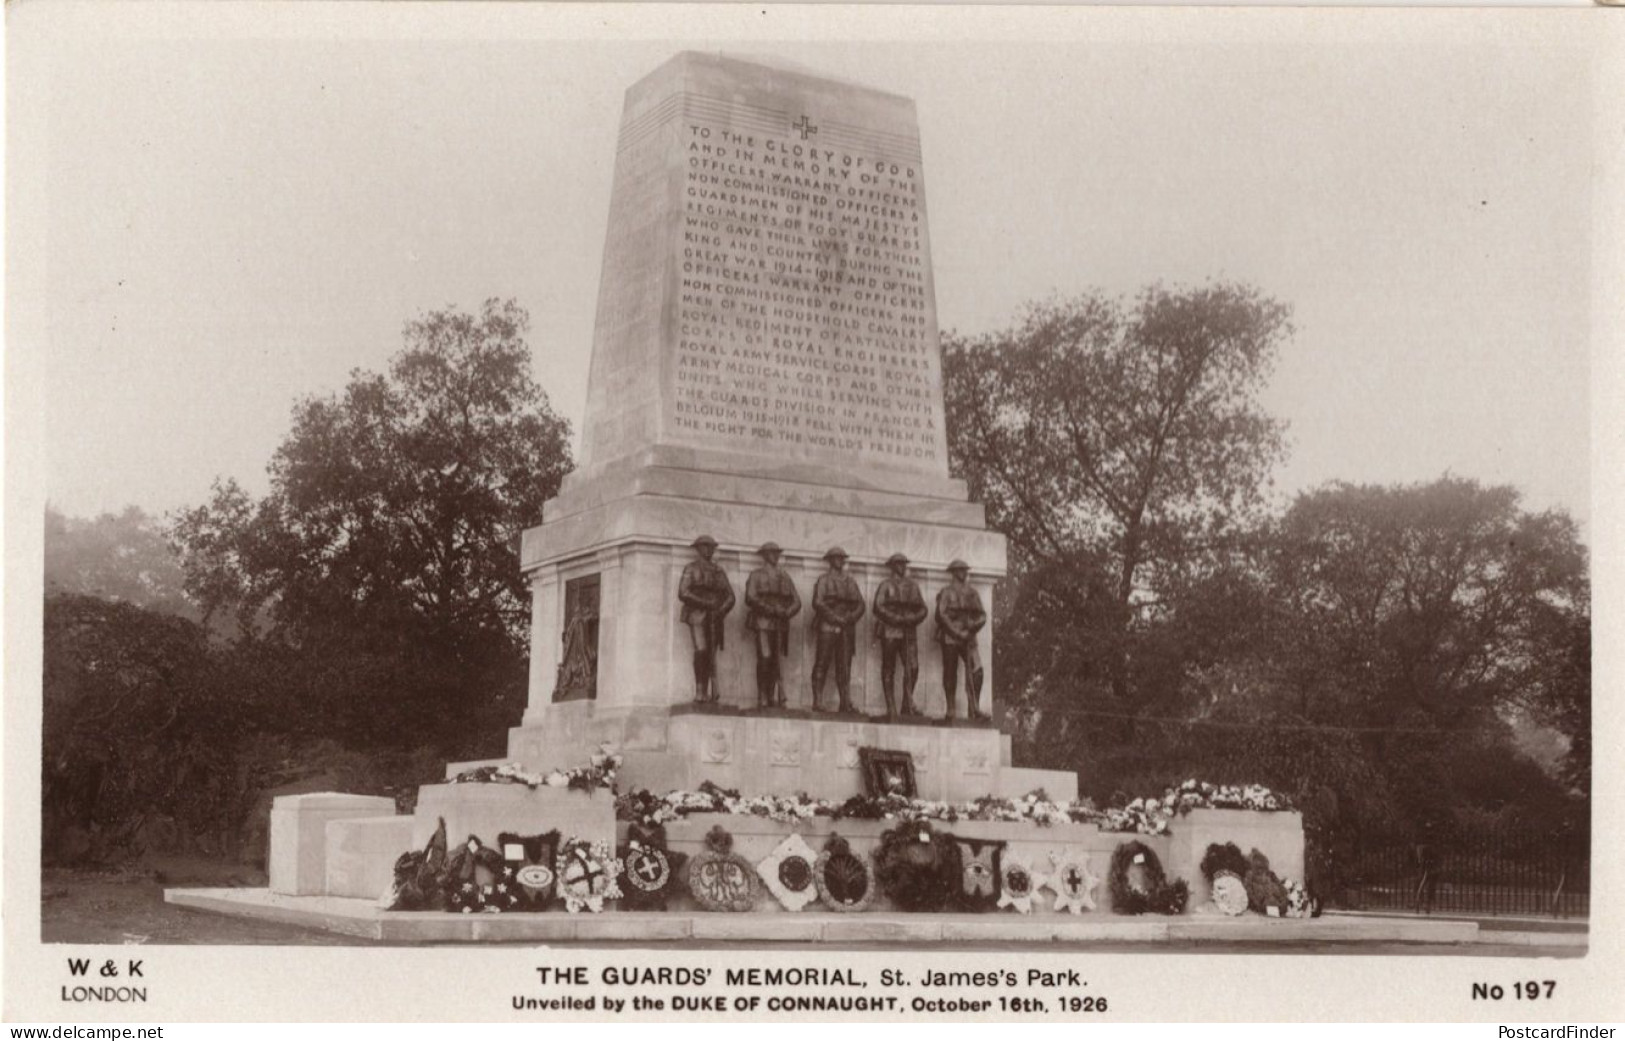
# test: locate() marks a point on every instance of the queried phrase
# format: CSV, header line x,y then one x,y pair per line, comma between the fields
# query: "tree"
x,y
1433,610
117,556
385,552
136,723
1118,446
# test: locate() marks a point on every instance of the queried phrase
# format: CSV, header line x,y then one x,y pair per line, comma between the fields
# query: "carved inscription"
x,y
805,311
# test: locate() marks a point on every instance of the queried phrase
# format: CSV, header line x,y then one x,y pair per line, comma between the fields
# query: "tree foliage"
x,y
1116,445
1371,649
116,556
137,722
384,558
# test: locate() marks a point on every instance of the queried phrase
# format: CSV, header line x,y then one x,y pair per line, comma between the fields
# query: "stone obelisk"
x,y
766,367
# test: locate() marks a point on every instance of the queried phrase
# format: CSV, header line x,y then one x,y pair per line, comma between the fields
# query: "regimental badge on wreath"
x,y
649,869
474,879
587,873
787,872
843,878
979,881
1018,883
528,869
719,878
1072,881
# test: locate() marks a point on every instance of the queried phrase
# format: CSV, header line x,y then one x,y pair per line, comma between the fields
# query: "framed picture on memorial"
x,y
887,772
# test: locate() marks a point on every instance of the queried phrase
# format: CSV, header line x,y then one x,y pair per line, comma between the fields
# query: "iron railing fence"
x,y
1481,878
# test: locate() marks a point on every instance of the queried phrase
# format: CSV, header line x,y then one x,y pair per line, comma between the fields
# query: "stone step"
x,y
363,918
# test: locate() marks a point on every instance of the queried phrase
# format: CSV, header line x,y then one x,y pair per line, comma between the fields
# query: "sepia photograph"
x,y
656,512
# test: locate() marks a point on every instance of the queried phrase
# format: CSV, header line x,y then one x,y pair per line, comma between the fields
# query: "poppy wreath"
x,y
1157,894
650,868
919,868
843,878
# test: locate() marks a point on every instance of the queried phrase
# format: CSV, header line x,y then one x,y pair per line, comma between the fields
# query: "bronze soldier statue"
x,y
707,597
959,618
837,606
899,610
771,601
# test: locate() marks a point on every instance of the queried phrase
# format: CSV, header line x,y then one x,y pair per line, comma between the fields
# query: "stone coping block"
x,y
298,860
365,920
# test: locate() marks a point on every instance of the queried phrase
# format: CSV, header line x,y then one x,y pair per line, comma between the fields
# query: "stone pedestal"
x,y
299,836
774,753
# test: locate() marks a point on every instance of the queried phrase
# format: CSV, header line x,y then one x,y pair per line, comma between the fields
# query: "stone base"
x,y
776,751
364,920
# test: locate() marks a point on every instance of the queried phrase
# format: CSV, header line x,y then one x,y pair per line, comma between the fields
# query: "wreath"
x,y
918,867
528,869
978,872
1151,891
843,878
587,874
1226,868
1072,881
419,881
475,879
650,869
1264,890
719,878
1018,883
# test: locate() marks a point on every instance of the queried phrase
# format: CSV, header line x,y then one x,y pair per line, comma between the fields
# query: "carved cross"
x,y
804,127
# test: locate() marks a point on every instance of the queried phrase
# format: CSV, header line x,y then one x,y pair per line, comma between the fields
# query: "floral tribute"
x,y
979,872
587,875
475,879
1138,884
1269,894
651,870
719,878
843,878
1018,883
1142,816
419,882
787,872
1072,882
919,868
528,869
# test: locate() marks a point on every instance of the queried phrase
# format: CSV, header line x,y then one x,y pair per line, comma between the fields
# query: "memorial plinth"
x,y
766,367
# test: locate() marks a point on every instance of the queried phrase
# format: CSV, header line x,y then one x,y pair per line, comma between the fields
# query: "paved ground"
x,y
128,907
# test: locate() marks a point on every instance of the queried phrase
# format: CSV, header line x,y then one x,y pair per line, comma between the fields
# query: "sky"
x,y
236,219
